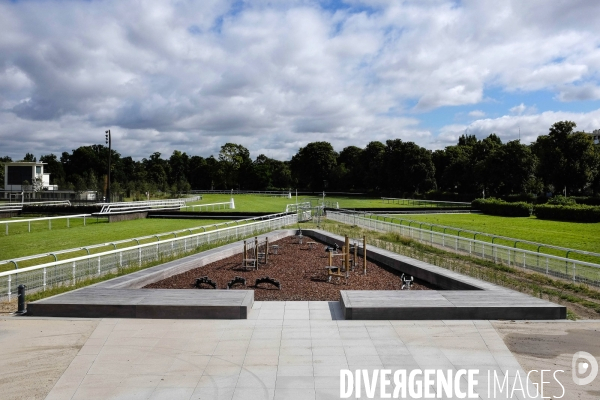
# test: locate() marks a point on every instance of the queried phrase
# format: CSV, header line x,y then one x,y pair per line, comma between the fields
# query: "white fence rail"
x,y
67,272
426,203
297,206
573,252
158,236
49,219
575,270
213,206
145,205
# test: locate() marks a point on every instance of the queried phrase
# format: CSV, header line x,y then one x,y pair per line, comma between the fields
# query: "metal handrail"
x,y
39,277
548,246
99,245
478,248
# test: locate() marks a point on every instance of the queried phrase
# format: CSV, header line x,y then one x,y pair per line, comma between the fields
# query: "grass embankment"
x,y
583,301
41,240
119,272
573,235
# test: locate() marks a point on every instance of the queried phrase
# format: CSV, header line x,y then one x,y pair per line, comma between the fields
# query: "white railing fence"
x,y
297,206
67,272
49,219
426,203
566,268
212,206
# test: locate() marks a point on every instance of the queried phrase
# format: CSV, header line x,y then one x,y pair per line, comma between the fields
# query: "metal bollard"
x,y
21,300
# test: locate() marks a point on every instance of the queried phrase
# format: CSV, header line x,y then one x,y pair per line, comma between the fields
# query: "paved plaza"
x,y
285,350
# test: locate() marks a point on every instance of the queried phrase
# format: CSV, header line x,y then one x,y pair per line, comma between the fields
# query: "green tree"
x,y
371,166
409,167
567,159
55,168
3,161
313,164
236,164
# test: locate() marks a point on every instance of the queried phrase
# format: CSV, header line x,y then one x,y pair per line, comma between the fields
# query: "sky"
x,y
276,75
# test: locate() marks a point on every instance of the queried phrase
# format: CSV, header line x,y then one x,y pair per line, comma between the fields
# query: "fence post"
x,y
99,268
9,284
74,266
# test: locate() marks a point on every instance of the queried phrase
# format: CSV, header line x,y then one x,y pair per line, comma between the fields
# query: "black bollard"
x,y
21,295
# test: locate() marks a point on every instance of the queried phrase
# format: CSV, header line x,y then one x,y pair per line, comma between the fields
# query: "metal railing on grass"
x,y
16,261
145,205
224,205
575,270
426,203
49,219
493,237
67,272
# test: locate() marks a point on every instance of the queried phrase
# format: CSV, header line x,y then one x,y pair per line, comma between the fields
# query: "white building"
x,y
26,176
596,136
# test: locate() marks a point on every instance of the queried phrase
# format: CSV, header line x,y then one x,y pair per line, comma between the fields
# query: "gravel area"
x,y
299,268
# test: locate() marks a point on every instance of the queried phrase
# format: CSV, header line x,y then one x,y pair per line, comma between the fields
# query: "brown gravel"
x,y
300,271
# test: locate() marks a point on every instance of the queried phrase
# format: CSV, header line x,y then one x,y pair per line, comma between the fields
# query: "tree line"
x,y
562,160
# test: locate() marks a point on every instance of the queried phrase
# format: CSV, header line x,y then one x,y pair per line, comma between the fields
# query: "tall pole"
x,y
108,141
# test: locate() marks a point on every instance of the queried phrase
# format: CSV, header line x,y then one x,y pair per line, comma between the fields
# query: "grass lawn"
x,y
572,235
252,202
59,238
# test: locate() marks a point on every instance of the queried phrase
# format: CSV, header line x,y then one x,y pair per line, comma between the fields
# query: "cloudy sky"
x,y
276,75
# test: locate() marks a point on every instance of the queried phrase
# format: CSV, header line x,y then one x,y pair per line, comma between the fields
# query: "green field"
x,y
565,234
44,241
259,203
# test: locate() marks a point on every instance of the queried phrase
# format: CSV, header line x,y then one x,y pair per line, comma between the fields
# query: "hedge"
x,y
500,207
574,213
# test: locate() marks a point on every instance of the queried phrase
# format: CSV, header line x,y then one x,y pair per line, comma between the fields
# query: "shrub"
x,y
499,207
588,200
562,201
573,213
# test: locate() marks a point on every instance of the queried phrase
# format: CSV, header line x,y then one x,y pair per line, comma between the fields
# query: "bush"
x,y
573,213
588,200
523,197
499,207
562,201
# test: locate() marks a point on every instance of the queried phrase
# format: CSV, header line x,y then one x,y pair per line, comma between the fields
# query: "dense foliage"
x,y
573,213
500,207
563,161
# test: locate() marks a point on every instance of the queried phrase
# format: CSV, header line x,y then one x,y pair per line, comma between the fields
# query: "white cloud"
x,y
522,109
275,75
477,114
507,127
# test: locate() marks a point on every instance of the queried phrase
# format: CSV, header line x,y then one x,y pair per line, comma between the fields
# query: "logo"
x,y
580,368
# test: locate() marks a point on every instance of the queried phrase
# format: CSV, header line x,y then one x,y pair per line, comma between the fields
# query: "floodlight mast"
x,y
108,142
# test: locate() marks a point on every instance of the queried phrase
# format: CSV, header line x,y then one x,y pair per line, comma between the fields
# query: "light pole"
x,y
108,142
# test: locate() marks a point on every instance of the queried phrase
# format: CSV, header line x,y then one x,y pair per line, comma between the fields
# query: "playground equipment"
x,y
206,281
407,281
266,279
255,254
354,250
349,256
236,280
